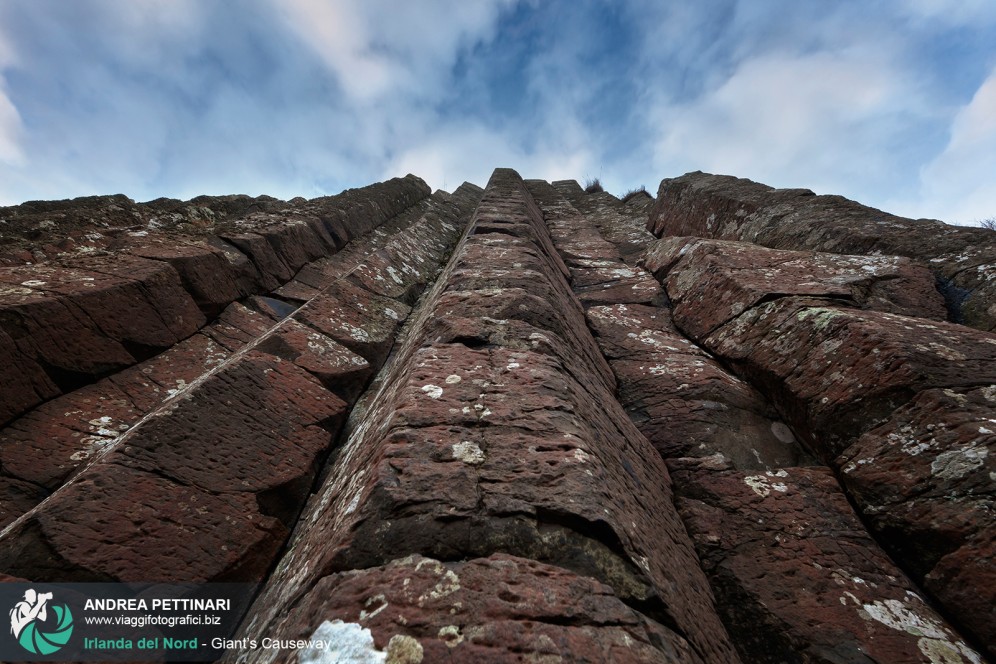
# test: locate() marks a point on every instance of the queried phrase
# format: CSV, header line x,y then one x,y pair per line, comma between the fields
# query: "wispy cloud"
x,y
960,183
883,102
822,119
382,47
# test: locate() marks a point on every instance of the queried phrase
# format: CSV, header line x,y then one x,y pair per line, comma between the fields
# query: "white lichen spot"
x,y
433,391
512,365
468,452
936,642
581,456
357,333
939,651
958,463
92,446
376,599
762,485
453,379
451,635
338,642
447,585
404,649
391,313
353,504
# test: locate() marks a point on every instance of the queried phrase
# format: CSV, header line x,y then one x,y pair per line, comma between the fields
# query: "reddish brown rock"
x,y
623,223
78,324
339,369
221,466
680,397
17,497
237,326
838,372
711,282
25,383
48,444
45,446
273,271
119,524
356,318
682,400
469,448
496,609
210,274
723,207
797,577
924,480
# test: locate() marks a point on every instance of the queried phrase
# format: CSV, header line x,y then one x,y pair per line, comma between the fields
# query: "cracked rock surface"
x,y
522,423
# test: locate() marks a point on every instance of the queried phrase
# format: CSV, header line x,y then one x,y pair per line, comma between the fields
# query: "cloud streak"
x,y
886,103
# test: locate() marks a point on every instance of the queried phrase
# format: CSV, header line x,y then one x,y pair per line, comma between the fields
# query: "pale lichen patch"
x,y
404,649
937,643
763,485
451,635
958,463
432,391
468,452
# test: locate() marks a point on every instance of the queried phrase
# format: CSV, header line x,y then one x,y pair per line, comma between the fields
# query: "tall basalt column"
x,y
796,576
898,403
494,502
207,484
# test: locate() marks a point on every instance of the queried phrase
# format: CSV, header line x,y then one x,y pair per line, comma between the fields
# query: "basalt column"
x,y
494,503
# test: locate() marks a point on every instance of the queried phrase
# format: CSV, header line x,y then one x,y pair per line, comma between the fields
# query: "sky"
x,y
889,102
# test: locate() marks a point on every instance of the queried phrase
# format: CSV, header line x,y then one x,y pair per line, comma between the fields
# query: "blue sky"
x,y
890,102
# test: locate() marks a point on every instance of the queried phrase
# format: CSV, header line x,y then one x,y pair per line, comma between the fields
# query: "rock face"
x,y
719,206
524,423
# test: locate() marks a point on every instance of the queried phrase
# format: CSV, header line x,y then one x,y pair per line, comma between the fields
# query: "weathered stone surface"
x,y
17,497
237,326
119,524
356,318
682,400
212,275
924,480
621,223
470,448
338,368
711,281
48,444
496,439
724,207
25,383
797,577
77,324
221,465
838,372
496,609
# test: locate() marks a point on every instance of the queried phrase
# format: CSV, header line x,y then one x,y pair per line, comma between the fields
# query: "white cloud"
x,y
10,119
10,128
959,185
816,120
452,155
952,12
379,47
